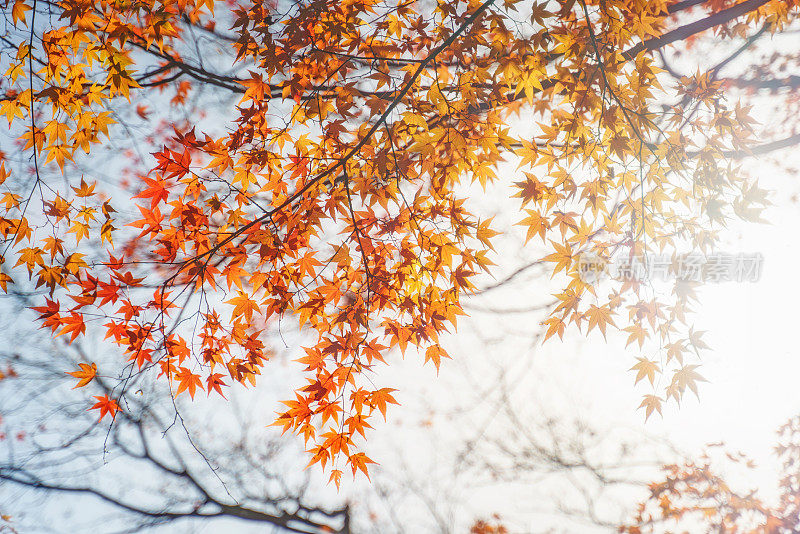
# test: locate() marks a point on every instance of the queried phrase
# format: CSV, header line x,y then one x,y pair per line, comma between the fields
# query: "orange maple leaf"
x,y
106,405
187,381
86,374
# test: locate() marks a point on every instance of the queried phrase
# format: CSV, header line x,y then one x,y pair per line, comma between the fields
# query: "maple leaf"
x,y
687,376
18,12
320,455
213,382
243,305
645,368
156,191
86,374
695,339
359,462
106,405
73,325
651,403
84,190
562,257
536,224
484,233
539,13
435,353
336,478
599,317
187,381
555,325
636,333
380,398
4,281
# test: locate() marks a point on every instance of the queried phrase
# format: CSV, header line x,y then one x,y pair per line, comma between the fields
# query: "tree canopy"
x,y
324,162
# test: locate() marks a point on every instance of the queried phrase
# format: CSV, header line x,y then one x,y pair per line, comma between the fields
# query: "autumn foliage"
x,y
696,496
320,161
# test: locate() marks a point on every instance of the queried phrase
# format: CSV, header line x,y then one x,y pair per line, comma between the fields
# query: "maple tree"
x,y
341,187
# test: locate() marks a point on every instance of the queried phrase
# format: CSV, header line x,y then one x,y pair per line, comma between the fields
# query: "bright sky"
x,y
754,365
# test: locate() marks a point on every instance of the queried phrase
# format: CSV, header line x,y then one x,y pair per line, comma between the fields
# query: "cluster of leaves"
x,y
694,496
488,527
338,194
